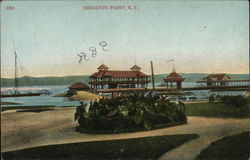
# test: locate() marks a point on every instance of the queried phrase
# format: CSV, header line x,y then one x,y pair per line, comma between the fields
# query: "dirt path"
x,y
26,129
209,130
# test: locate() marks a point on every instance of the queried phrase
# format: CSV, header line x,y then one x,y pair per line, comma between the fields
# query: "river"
x,y
50,100
43,100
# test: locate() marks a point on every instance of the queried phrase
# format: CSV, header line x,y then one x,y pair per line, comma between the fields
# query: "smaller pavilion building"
x,y
78,86
216,80
222,80
174,80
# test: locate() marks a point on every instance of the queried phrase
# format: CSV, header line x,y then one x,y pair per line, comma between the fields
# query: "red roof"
x,y
174,77
218,77
135,67
79,85
118,74
103,67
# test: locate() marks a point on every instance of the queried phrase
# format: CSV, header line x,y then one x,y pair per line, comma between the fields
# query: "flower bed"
x,y
129,113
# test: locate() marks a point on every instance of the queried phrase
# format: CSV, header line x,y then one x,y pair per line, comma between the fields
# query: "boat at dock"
x,y
18,92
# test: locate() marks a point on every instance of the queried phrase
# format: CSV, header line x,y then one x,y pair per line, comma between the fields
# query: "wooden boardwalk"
x,y
246,87
164,89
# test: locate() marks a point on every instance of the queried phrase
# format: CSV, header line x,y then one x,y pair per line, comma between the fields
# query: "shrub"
x,y
218,97
247,96
234,100
211,98
128,112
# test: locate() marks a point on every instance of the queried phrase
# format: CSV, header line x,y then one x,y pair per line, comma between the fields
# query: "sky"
x,y
201,36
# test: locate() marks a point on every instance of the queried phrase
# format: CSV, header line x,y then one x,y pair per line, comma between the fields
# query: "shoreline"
x,y
34,108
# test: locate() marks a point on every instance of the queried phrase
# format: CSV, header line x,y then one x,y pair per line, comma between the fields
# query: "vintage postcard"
x,y
116,79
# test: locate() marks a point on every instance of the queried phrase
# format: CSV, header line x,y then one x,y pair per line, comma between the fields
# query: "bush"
x,y
128,112
247,96
218,97
234,100
211,98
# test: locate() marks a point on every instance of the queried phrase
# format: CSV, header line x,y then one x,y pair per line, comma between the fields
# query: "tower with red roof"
x,y
174,80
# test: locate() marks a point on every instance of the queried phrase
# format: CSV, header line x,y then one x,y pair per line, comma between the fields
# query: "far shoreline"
x,y
70,79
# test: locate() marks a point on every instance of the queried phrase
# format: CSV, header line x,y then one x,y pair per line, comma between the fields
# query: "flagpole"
x,y
135,58
152,72
15,68
171,60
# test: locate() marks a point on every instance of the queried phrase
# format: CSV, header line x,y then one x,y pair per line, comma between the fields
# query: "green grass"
x,y
137,148
236,147
216,109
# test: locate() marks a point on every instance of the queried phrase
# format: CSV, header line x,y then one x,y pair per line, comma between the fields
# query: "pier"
x,y
165,89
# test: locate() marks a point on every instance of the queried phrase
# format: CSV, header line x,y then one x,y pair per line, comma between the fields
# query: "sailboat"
x,y
16,90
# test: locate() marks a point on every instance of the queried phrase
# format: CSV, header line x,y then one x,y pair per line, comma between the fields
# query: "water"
x,y
49,100
53,89
43,100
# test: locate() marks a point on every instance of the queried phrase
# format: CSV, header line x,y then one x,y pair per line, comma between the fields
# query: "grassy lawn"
x,y
234,147
137,148
216,109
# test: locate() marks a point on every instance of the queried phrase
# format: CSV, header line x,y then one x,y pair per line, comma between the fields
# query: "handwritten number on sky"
x,y
103,44
83,56
93,52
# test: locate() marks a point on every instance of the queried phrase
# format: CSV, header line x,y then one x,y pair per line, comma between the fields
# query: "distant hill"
x,y
67,80
42,81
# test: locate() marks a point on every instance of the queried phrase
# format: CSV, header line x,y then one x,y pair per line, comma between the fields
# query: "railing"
x,y
225,82
216,87
163,89
119,82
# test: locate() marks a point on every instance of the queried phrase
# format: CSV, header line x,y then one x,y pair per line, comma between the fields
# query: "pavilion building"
x,y
174,80
216,80
106,78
